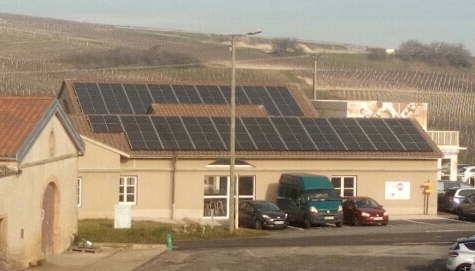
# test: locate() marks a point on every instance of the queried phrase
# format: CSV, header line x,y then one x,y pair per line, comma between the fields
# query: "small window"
x,y
344,185
128,190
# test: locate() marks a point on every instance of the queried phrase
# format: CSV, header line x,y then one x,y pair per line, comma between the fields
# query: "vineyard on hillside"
x,y
36,53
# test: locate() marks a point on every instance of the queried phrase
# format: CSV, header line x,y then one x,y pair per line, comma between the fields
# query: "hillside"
x,y
37,54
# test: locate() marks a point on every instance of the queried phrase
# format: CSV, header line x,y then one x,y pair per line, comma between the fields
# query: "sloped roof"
x,y
198,129
21,121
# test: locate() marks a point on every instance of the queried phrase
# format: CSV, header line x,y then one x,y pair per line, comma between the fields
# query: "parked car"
x,y
451,198
466,174
461,254
466,208
363,211
261,214
442,186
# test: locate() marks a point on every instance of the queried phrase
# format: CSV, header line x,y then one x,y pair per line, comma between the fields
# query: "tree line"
x,y
435,53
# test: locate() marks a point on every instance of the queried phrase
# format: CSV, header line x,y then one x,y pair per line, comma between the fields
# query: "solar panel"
x,y
211,95
293,133
139,97
260,96
163,94
265,133
105,123
284,101
115,98
90,98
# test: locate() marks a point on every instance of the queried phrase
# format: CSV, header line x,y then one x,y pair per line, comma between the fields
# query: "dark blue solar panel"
x,y
226,90
132,131
241,96
263,134
186,94
163,94
243,137
260,96
115,99
290,136
203,133
322,134
139,97
211,94
284,101
90,98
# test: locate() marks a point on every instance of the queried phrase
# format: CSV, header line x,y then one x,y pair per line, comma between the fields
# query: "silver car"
x,y
461,254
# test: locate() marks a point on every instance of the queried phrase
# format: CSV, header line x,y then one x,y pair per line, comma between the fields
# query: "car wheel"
x,y
384,224
306,223
463,267
460,214
339,224
258,225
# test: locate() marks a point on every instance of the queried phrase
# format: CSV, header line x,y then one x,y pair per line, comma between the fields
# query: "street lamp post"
x,y
233,199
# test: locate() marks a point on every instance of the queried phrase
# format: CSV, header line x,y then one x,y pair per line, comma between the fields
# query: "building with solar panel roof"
x,y
163,149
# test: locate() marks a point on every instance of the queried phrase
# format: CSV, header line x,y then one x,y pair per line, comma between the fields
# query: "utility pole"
x,y
233,198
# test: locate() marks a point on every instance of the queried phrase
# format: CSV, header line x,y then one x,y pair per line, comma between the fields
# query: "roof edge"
x,y
55,109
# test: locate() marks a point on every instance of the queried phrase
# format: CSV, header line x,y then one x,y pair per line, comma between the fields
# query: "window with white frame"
x,y
79,191
216,194
128,190
345,185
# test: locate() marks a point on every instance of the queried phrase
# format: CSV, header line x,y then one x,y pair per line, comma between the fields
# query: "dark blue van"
x,y
309,199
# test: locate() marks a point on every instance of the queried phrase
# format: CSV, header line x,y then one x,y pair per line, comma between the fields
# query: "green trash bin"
x,y
169,242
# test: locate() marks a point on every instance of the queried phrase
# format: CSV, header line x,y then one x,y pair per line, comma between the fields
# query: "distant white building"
x,y
390,51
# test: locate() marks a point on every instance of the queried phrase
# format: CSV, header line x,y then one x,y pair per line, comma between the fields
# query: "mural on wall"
x,y
375,109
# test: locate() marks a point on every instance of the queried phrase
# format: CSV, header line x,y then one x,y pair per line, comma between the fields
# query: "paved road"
x,y
402,245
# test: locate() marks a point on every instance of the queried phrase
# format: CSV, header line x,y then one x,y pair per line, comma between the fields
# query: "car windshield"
x,y
366,203
322,195
266,206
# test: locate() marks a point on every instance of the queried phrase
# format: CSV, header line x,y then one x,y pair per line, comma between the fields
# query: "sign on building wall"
x,y
122,218
398,190
375,109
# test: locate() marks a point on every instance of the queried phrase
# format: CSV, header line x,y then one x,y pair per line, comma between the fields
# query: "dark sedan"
x,y
261,214
466,208
363,211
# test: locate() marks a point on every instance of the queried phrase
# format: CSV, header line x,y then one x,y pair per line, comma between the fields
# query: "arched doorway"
x,y
48,216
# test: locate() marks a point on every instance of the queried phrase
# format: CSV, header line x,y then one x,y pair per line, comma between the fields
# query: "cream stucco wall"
x,y
173,188
21,195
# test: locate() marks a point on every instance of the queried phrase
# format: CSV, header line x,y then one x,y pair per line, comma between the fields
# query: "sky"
x,y
374,23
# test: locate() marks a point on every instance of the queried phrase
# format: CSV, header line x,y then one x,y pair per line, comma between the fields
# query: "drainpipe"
x,y
175,160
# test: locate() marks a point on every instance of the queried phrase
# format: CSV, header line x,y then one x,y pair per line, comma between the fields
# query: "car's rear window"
x,y
470,245
467,192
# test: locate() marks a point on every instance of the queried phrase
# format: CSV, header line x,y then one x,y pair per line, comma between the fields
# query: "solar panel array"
x,y
116,98
264,134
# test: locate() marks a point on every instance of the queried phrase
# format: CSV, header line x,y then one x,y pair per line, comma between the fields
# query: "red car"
x,y
363,211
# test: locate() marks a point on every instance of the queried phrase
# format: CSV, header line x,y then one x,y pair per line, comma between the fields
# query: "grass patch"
x,y
150,232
